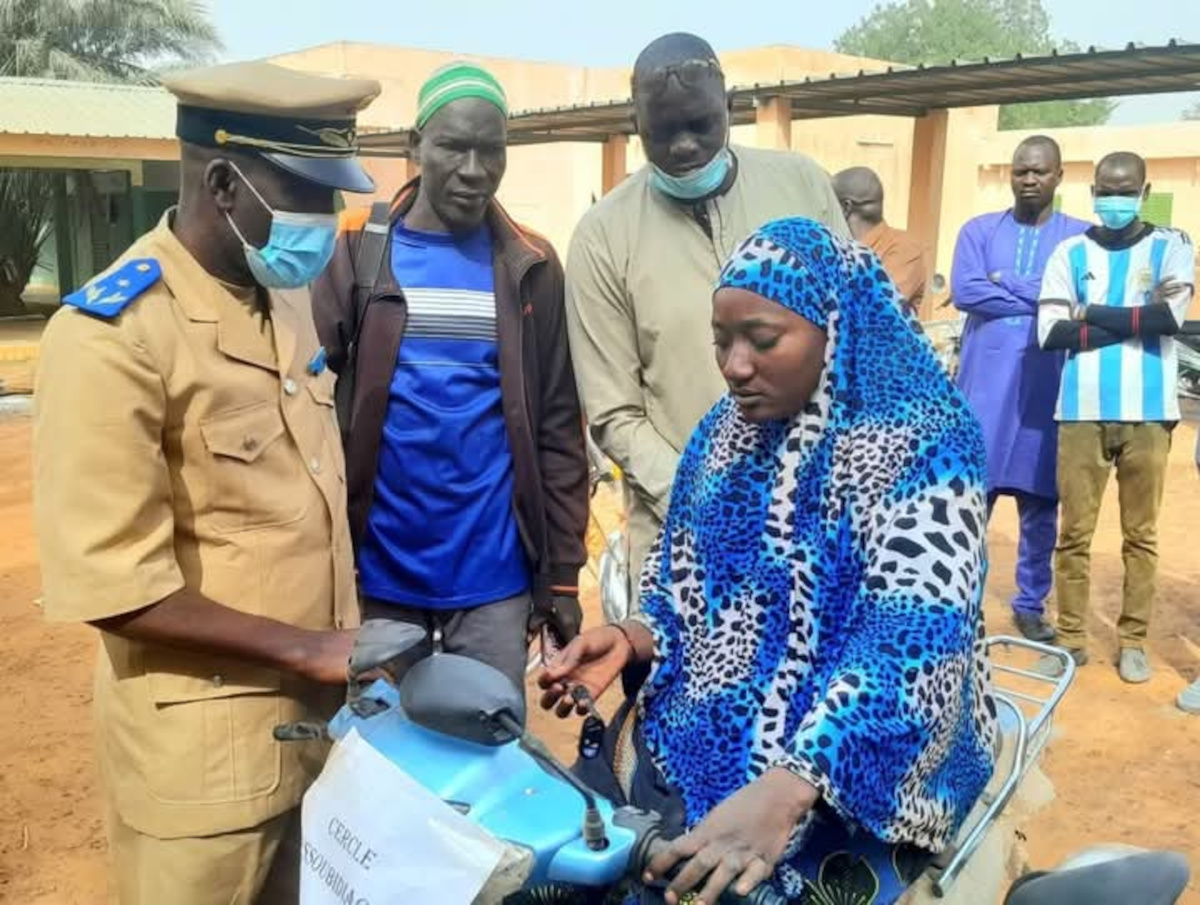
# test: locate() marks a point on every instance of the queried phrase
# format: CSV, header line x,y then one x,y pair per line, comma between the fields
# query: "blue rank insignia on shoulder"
x,y
108,296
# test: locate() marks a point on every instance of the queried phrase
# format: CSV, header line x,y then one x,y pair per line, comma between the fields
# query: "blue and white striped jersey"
x,y
1135,380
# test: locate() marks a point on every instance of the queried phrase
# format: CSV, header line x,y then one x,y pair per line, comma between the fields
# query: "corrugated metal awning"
x,y
896,91
85,109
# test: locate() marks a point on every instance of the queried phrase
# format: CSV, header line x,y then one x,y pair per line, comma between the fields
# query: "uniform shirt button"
x,y
289,387
315,464
218,680
339,622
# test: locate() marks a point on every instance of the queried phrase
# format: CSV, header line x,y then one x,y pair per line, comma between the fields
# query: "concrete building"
x,y
979,181
939,166
1172,153
112,158
549,186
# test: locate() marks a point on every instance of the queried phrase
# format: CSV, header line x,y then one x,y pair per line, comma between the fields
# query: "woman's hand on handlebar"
x,y
739,843
593,659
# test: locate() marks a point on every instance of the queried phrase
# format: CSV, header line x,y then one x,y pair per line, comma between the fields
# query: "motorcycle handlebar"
x,y
762,895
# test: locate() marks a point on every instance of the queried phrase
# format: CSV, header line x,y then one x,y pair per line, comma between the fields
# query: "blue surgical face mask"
x,y
697,184
1117,211
298,249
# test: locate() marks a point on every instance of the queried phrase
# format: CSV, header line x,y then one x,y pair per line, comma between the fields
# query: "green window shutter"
x,y
1158,207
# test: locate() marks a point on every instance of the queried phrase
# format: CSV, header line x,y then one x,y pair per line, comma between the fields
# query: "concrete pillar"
x,y
773,120
926,179
612,162
137,200
63,236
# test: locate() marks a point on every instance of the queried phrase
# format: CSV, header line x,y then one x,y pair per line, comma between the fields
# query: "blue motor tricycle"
x,y
457,726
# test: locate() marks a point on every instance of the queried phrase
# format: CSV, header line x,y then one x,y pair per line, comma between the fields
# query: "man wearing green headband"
x,y
453,82
467,472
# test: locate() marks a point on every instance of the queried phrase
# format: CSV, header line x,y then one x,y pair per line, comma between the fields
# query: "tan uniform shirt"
x,y
640,277
185,443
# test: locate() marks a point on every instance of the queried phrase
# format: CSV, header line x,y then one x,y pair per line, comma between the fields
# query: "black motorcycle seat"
x,y
1148,878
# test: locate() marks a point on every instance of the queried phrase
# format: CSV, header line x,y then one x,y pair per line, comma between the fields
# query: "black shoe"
x,y
1034,627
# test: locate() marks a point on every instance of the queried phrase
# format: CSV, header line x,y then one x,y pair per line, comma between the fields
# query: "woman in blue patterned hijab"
x,y
818,700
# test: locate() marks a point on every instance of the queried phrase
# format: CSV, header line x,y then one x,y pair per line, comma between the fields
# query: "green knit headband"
x,y
454,81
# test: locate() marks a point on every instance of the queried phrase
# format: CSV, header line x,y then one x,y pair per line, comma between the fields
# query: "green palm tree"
x,y
82,40
102,40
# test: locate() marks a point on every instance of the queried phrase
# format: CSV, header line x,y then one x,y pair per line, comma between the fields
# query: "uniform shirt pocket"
x,y
321,387
255,469
214,750
209,735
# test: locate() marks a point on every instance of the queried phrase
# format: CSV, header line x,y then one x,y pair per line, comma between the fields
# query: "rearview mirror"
x,y
463,698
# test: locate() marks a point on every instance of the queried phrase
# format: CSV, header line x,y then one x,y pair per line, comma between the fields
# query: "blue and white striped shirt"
x,y
442,532
1132,381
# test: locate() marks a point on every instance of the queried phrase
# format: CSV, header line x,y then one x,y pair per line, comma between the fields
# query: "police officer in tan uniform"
x,y
190,491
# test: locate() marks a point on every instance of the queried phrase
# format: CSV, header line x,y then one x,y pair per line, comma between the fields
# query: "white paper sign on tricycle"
x,y
373,836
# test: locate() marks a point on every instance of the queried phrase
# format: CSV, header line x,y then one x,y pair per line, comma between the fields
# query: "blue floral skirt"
x,y
835,866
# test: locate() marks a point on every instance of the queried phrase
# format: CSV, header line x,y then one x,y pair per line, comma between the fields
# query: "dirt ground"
x,y
1124,763
18,353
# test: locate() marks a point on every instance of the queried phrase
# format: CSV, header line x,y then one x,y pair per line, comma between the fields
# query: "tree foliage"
x,y
1192,112
102,40
82,40
938,31
26,201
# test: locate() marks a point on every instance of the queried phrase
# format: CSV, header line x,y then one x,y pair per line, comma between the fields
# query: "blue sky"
x,y
612,32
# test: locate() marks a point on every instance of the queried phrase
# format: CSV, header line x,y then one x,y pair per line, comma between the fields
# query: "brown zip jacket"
x,y
537,385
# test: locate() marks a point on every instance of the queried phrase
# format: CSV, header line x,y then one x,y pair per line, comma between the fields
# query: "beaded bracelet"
x,y
628,638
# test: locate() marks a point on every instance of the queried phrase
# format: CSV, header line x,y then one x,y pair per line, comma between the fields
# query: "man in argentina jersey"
x,y
465,450
1113,298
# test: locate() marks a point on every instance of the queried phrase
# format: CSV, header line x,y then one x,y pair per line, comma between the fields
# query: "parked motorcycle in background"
x,y
1187,345
612,569
945,331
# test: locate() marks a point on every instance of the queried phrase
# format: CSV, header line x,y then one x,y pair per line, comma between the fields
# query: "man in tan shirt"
x,y
190,492
861,195
644,261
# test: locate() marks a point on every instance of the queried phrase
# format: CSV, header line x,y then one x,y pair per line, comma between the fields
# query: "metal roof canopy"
x,y
897,91
55,107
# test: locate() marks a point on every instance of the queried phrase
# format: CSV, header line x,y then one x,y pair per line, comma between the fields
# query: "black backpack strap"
x,y
367,263
370,253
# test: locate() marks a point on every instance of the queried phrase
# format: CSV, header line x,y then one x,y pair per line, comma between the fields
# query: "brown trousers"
x,y
1087,452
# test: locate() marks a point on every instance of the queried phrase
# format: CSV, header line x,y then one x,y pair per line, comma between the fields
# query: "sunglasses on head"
x,y
689,74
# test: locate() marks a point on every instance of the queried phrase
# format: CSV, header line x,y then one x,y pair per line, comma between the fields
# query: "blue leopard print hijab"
x,y
816,591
